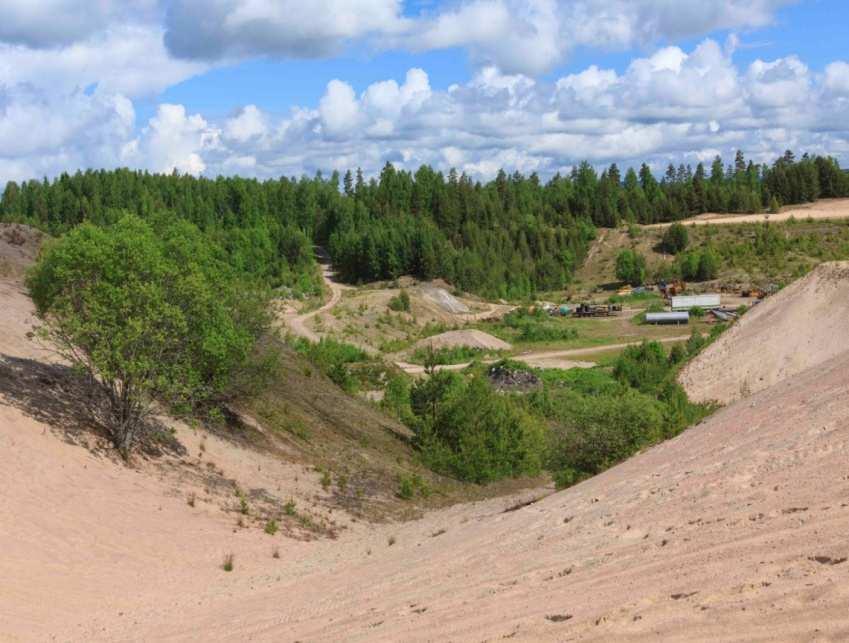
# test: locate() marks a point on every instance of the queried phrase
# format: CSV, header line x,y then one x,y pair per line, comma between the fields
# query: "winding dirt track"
x,y
298,323
555,358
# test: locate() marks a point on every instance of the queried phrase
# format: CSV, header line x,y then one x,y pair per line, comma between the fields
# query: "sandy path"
x,y
555,358
298,323
824,209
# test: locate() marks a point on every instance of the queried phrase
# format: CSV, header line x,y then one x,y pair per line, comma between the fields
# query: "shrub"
x,y
468,430
401,302
675,239
271,527
228,563
594,433
333,358
445,355
642,367
146,315
631,267
695,343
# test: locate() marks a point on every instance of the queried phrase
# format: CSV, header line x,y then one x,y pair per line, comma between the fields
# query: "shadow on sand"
x,y
58,396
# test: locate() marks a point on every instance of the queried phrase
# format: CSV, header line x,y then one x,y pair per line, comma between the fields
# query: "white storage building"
x,y
696,301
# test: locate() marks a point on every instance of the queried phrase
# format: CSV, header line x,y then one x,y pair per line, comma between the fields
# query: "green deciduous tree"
x,y
631,267
146,314
675,239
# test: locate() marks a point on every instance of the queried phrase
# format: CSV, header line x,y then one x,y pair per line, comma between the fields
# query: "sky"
x,y
271,88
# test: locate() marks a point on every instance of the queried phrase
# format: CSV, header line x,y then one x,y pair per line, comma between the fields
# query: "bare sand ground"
x,y
801,326
735,530
823,209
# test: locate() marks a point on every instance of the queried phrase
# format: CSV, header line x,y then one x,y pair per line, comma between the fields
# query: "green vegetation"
x,y
675,239
531,326
401,302
631,267
599,419
465,429
334,358
446,355
511,237
228,563
147,312
699,265
411,485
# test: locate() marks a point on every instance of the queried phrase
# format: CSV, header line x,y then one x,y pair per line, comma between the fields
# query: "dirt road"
x,y
555,358
821,210
297,323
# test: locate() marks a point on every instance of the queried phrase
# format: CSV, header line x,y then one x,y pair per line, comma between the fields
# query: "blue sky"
x,y
278,84
265,87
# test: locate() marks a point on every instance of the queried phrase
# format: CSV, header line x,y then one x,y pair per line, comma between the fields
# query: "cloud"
x,y
129,59
517,36
172,141
673,105
216,29
46,133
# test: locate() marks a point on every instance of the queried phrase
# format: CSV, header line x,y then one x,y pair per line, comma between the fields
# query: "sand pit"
x,y
803,325
734,530
469,338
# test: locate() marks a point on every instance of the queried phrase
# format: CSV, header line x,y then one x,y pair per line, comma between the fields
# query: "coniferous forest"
x,y
509,237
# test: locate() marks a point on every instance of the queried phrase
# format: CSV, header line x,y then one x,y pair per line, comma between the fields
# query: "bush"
x,y
401,302
146,315
467,430
446,355
631,267
698,265
595,433
675,239
642,367
333,358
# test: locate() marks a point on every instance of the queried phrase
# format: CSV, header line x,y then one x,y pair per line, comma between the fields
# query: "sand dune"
x,y
800,327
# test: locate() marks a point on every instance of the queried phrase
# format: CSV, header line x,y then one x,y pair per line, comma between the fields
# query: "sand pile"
x,y
800,327
445,300
468,338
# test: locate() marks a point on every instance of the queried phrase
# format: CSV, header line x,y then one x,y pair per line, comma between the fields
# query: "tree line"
x,y
509,237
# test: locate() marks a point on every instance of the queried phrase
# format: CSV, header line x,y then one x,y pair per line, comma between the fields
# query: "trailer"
x,y
676,318
705,302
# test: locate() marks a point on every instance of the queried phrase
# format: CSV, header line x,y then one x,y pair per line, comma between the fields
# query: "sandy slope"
x,y
821,210
735,530
803,325
713,535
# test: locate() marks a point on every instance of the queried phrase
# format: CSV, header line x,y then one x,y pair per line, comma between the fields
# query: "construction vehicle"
x,y
597,310
672,288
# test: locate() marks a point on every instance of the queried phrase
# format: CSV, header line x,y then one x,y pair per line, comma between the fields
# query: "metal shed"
x,y
668,318
696,301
